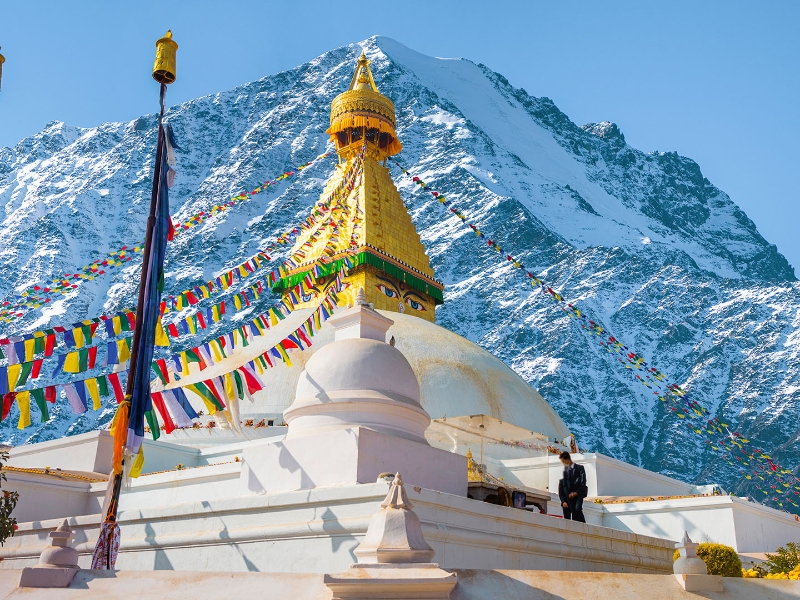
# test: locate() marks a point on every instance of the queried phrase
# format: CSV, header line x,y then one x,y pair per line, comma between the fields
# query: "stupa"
x,y
383,390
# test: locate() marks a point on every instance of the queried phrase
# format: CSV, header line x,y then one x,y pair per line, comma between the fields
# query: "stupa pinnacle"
x,y
367,216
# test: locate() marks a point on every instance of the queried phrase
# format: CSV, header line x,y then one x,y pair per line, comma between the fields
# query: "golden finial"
x,y
473,471
2,60
164,66
362,79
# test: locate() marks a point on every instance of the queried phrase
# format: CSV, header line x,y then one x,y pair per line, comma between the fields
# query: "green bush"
x,y
719,558
784,560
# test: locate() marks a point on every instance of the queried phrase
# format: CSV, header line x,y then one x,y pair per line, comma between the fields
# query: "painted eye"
x,y
388,291
414,304
307,297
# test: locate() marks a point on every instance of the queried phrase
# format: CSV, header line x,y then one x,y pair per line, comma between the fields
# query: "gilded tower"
x,y
361,216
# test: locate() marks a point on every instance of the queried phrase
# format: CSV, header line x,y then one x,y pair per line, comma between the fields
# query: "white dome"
x,y
370,365
358,382
456,377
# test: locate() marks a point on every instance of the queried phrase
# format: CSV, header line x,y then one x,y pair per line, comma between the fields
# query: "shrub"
x,y
785,560
719,558
794,575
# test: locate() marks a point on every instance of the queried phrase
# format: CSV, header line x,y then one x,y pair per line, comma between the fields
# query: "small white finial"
x,y
397,497
64,527
686,539
361,298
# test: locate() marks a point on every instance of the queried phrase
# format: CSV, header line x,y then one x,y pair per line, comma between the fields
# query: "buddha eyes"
x,y
388,291
407,299
414,304
307,297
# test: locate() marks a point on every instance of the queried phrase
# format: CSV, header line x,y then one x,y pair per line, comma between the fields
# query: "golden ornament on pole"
x,y
2,60
164,67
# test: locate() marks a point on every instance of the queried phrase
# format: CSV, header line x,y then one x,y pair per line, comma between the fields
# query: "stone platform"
x,y
319,530
472,585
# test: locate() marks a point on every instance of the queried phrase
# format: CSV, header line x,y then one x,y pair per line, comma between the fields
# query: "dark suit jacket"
x,y
574,480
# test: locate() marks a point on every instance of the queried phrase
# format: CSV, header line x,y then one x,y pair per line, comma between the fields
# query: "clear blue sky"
x,y
717,81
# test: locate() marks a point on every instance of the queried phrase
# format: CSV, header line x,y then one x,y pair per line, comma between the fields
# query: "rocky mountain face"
x,y
641,241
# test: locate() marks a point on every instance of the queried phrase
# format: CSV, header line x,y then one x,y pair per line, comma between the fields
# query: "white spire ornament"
x,y
394,558
394,534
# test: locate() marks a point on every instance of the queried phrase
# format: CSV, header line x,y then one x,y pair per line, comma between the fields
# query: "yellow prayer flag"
x,y
259,326
284,355
117,325
30,346
80,341
123,352
138,463
185,363
72,363
94,392
161,335
215,351
229,389
237,302
13,375
24,403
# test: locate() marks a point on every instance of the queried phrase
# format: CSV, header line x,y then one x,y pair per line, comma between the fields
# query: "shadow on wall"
x,y
338,534
481,585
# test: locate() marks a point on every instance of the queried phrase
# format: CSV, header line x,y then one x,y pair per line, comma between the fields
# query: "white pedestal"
x,y
348,456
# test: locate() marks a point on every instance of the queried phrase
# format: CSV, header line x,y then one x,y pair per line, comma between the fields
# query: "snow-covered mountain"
x,y
642,241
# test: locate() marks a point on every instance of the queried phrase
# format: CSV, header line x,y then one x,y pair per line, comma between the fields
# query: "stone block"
x,y
47,577
699,583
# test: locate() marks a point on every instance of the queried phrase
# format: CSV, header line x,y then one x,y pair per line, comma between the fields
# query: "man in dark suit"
x,y
572,488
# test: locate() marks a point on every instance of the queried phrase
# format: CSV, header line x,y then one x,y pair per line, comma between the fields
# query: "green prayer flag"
x,y
152,421
83,360
24,373
38,396
102,385
237,377
158,372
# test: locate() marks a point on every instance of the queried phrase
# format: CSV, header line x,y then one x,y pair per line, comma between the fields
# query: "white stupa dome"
x,y
456,376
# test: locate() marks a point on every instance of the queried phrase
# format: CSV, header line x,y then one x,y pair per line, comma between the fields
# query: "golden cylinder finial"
x,y
2,60
164,67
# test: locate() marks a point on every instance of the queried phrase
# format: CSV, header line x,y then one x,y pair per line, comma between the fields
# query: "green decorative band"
x,y
366,258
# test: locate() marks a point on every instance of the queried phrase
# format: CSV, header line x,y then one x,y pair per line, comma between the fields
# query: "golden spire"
x,y
390,261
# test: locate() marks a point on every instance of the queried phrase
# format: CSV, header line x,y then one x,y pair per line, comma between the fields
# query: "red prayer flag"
x,y
162,367
50,394
92,356
115,383
49,344
158,402
8,400
36,369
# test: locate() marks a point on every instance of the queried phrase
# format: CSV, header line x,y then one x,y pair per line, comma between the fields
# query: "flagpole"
x,y
108,541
